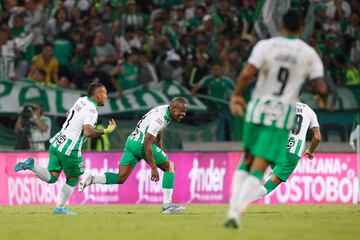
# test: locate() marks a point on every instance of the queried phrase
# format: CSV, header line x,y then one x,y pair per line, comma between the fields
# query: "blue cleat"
x,y
63,211
171,208
27,165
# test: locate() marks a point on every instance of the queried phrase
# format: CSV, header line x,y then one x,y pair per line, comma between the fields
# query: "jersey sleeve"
x,y
204,81
156,126
91,117
313,120
257,54
316,68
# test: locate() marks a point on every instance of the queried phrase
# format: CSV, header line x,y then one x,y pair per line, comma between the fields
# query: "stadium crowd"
x,y
200,44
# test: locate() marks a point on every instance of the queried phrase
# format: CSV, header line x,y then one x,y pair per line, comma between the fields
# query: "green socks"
x,y
168,180
270,186
111,178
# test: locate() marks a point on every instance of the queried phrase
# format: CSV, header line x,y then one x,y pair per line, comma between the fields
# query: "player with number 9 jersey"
x,y
283,63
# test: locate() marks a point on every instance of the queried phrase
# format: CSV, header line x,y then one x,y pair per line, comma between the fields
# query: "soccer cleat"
x,y
85,181
28,164
63,211
171,208
231,223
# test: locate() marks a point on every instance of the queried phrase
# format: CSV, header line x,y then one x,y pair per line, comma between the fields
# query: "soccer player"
x,y
65,146
145,142
283,64
306,119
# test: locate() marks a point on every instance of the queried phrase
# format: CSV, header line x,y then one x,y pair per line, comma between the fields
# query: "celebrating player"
x,y
65,146
283,64
306,118
145,142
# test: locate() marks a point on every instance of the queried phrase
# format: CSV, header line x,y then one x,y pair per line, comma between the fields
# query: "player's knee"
x,y
53,179
122,179
72,181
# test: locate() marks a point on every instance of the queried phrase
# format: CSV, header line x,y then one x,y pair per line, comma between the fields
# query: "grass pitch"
x,y
198,222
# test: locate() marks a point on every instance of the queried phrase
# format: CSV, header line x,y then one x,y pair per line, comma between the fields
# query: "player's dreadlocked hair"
x,y
292,20
92,88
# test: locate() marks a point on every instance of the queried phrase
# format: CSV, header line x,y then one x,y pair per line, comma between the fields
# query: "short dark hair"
x,y
292,20
178,100
92,88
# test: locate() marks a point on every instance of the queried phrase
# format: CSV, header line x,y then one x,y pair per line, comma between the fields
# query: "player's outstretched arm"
x,y
314,142
148,142
90,131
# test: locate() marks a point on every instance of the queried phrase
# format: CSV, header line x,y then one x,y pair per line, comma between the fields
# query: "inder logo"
x,y
207,183
100,193
148,191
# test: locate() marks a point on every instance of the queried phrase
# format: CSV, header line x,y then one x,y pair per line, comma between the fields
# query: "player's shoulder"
x,y
265,43
304,108
86,103
306,48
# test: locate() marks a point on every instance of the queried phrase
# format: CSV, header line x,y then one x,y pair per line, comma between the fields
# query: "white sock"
x,y
247,194
99,179
260,193
42,173
237,183
65,194
167,195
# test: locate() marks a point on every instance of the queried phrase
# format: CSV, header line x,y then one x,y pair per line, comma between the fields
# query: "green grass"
x,y
198,222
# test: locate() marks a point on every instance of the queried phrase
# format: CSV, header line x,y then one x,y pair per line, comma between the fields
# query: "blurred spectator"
x,y
158,30
226,17
103,54
232,63
127,41
352,75
78,50
187,50
77,19
63,49
179,18
218,85
338,9
125,73
147,73
38,75
198,72
46,62
18,28
91,74
197,20
333,94
33,128
171,69
7,57
57,25
131,17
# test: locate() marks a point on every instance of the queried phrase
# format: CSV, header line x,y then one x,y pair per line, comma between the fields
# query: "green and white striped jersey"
x,y
152,122
7,61
70,138
306,118
284,64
